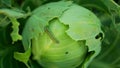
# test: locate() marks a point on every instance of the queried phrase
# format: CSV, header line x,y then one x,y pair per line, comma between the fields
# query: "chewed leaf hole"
x,y
66,52
99,36
48,8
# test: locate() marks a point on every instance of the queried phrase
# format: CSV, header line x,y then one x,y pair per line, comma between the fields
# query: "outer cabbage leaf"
x,y
15,33
23,57
12,13
39,20
88,27
87,23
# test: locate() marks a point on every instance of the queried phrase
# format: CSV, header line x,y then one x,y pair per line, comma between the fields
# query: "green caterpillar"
x,y
63,35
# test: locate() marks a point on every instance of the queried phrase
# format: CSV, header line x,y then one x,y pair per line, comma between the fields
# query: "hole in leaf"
x,y
48,8
66,52
99,36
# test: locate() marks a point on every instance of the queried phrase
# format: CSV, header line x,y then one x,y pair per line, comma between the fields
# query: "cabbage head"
x,y
63,35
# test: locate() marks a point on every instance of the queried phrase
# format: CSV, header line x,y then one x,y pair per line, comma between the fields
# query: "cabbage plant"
x,y
63,35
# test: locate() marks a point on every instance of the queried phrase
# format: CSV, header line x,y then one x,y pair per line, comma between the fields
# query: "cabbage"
x,y
63,35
